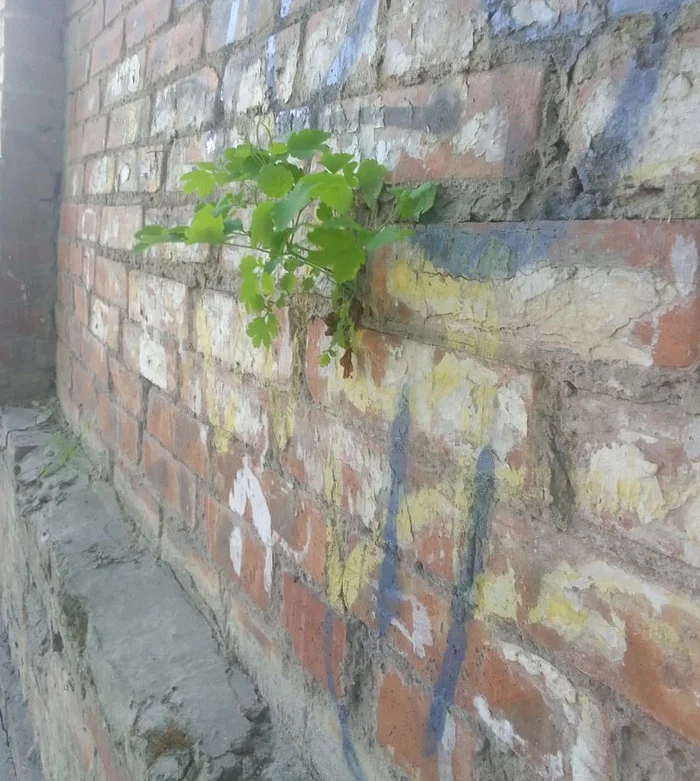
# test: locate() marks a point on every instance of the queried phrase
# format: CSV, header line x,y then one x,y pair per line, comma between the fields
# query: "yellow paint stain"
x,y
496,595
203,336
362,562
223,423
282,418
335,565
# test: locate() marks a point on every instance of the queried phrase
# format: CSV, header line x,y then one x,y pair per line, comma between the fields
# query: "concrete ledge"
x,y
123,676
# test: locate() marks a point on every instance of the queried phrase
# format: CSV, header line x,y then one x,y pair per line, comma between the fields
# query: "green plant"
x,y
311,219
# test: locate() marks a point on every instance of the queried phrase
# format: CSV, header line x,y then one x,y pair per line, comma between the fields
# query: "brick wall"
x,y
478,558
31,141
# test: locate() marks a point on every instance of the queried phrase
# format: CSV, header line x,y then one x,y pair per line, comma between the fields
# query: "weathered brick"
x,y
185,152
158,302
636,468
74,180
128,123
119,224
145,18
615,625
94,356
138,498
170,480
83,388
108,47
181,434
69,220
402,718
111,281
677,344
119,430
80,303
88,101
99,176
155,360
244,87
178,253
221,324
303,535
94,136
125,78
316,632
140,170
114,8
230,21
175,47
76,260
104,322
483,132
91,23
234,548
127,388
550,724
188,103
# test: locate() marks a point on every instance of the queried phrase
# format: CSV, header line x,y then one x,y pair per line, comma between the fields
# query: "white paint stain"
x,y
501,728
446,748
233,21
527,12
421,635
485,135
236,550
284,7
684,262
247,490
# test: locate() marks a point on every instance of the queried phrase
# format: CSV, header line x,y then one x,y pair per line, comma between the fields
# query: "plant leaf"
x,y
412,203
199,181
287,208
304,144
267,283
261,227
387,235
334,162
371,175
338,251
205,227
232,225
275,180
259,331
331,189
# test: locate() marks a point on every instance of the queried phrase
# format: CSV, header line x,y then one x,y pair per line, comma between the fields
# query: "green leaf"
x,y
334,162
371,177
260,331
287,208
275,180
201,182
261,227
307,284
249,265
232,225
324,359
158,234
267,283
412,203
338,251
277,148
288,282
304,144
206,228
331,189
387,235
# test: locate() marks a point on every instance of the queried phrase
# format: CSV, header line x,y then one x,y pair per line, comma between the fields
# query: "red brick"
x,y
69,220
94,136
145,18
83,388
127,388
181,434
108,47
138,499
120,431
154,358
615,625
128,123
309,623
94,356
402,718
252,16
74,180
99,176
111,281
114,8
176,47
88,101
89,222
158,302
170,480
80,303
119,224
81,70
88,267
678,340
104,322
75,138
234,547
91,23
76,260
64,250
305,534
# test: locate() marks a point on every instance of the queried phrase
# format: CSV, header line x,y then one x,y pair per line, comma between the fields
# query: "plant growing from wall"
x,y
310,215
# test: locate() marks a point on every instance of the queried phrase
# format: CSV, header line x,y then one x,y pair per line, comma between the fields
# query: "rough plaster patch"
x,y
684,262
486,135
236,549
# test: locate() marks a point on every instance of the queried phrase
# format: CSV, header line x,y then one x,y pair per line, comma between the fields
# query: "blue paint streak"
x,y
270,50
346,57
462,608
497,252
233,21
628,7
389,594
348,749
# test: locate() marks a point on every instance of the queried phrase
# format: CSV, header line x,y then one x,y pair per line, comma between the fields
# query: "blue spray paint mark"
x,y
349,50
496,252
462,607
285,5
389,594
348,749
232,21
270,51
